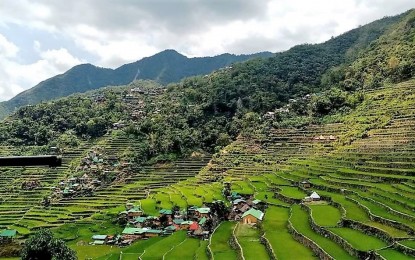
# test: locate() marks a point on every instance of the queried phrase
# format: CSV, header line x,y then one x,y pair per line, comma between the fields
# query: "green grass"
x,y
408,243
276,180
248,238
293,192
299,220
157,250
283,244
353,211
242,187
270,199
380,211
164,200
391,254
325,215
201,250
134,250
185,250
393,232
259,185
355,238
220,242
149,206
91,251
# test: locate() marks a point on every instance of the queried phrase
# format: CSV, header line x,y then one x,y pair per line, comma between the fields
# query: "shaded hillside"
x,y
165,67
207,112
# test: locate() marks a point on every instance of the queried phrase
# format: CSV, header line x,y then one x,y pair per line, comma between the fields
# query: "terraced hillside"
x,y
364,174
361,167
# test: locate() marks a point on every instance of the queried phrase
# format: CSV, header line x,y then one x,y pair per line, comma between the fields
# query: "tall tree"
x,y
44,246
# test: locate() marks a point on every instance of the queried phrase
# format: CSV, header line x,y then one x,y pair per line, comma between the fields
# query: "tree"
x,y
43,246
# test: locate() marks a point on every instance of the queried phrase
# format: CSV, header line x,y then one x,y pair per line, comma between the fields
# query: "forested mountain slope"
x,y
164,67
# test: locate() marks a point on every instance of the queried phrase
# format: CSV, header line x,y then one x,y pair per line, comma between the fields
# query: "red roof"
x,y
194,226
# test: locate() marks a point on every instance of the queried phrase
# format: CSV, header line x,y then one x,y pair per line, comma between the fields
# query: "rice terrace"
x,y
308,154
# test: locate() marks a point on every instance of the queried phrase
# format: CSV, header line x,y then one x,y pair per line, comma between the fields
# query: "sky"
x,y
43,38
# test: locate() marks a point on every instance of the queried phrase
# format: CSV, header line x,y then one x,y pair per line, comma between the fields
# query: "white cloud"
x,y
7,49
16,77
117,32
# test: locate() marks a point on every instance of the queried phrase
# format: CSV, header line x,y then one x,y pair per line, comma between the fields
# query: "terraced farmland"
x,y
364,174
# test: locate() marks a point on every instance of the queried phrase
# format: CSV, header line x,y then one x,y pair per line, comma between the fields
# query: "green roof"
x,y
202,221
133,210
153,231
8,233
99,242
166,211
132,231
140,219
178,221
256,201
170,228
99,237
254,212
203,210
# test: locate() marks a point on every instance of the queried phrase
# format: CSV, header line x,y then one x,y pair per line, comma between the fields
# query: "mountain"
x,y
337,116
206,112
165,67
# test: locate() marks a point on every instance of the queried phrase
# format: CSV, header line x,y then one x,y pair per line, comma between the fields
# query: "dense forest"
x,y
205,113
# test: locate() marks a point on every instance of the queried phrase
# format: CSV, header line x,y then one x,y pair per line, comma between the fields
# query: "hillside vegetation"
x,y
165,67
339,115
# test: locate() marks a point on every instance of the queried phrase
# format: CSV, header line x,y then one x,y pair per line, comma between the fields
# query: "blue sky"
x,y
40,39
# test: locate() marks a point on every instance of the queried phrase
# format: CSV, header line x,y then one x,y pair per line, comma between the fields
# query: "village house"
x,y
252,216
191,211
7,236
178,221
169,230
269,115
152,232
139,221
202,212
194,226
239,203
134,212
185,225
259,204
165,212
132,234
320,138
305,184
313,197
100,239
137,90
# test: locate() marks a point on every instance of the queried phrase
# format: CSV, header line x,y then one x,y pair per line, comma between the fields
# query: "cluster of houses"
x,y
30,184
95,169
199,222
272,115
246,210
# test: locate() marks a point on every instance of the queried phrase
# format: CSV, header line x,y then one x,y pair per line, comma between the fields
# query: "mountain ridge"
x,y
167,66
